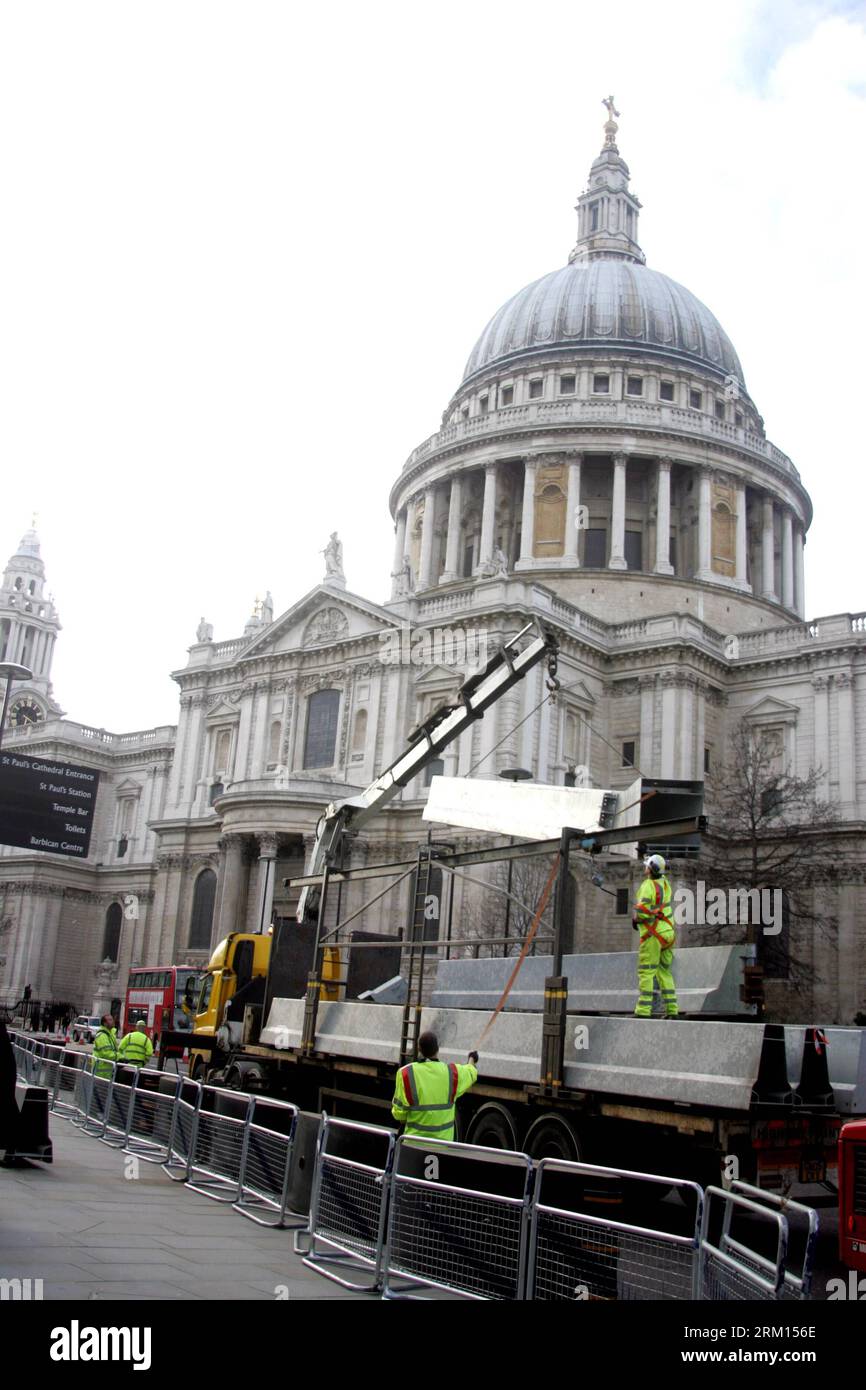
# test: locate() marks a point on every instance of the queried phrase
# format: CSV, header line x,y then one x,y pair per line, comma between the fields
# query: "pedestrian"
x,y
653,918
9,1112
136,1048
105,1047
426,1091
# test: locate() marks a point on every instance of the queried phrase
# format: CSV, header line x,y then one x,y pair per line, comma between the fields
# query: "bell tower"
x,y
28,630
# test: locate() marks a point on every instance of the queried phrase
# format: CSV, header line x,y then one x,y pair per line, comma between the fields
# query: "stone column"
x,y
527,525
821,717
488,518
705,563
685,731
263,729
452,544
399,548
663,519
669,725
265,892
242,751
427,520
647,723
617,516
741,568
799,573
787,559
845,737
768,554
231,885
572,534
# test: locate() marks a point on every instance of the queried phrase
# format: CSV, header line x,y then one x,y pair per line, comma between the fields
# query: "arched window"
x,y
111,935
274,743
223,750
359,736
201,920
320,743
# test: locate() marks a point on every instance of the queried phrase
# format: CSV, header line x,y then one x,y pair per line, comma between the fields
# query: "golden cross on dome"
x,y
611,109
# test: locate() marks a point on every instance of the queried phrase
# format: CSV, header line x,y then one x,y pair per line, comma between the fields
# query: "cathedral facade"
x,y
601,467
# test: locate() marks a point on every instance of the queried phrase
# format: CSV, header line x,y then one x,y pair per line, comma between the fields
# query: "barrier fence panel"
x,y
94,1093
50,1073
68,1091
802,1234
186,1107
119,1107
349,1204
606,1234
730,1271
267,1164
152,1116
219,1143
459,1219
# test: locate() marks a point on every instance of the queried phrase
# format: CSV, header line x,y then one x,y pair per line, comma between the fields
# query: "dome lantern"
x,y
607,213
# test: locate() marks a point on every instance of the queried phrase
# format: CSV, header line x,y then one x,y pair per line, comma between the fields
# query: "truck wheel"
x,y
553,1136
492,1127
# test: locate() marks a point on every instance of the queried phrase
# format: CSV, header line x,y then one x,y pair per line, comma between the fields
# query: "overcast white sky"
x,y
246,249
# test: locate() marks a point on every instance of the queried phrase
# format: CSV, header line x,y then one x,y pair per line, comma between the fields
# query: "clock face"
x,y
25,711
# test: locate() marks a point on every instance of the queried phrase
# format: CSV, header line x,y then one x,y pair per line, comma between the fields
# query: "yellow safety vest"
x,y
425,1095
135,1048
653,912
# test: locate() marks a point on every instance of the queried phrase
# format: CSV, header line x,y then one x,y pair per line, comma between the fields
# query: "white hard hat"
x,y
655,864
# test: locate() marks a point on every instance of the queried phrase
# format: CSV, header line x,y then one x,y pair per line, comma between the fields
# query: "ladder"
x,y
411,1025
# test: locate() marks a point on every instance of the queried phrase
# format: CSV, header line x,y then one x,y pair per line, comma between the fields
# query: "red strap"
x,y
452,1067
408,1088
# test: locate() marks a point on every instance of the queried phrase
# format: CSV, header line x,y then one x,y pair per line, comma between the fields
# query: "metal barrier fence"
x,y
176,1163
219,1141
474,1222
266,1168
152,1116
802,1229
636,1250
349,1203
459,1219
729,1270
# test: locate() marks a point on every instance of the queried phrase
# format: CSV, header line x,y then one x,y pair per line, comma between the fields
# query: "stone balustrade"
x,y
641,414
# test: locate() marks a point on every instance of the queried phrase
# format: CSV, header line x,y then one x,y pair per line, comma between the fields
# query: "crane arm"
x,y
509,665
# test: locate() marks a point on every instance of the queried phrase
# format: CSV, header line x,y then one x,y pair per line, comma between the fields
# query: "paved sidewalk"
x,y
89,1232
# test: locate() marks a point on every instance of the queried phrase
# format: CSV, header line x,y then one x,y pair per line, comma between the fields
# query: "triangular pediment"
x,y
223,709
325,617
579,694
771,710
435,677
128,788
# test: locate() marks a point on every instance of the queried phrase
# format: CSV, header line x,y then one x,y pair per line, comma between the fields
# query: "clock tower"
x,y
28,630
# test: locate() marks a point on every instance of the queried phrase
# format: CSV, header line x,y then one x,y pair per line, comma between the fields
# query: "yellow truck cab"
x,y
237,960
238,969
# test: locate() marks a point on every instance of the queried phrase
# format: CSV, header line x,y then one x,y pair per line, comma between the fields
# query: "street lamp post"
x,y
12,672
511,774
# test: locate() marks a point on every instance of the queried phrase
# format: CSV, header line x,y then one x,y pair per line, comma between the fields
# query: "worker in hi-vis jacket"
x,y
653,918
426,1091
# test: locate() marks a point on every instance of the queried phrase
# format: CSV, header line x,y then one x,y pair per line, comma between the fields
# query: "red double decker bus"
x,y
155,993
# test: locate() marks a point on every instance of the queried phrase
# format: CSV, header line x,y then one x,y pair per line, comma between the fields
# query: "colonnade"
x,y
763,584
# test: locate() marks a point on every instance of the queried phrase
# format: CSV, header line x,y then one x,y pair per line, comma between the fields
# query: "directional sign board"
x,y
46,804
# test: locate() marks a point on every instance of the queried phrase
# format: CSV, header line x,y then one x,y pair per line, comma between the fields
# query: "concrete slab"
x,y
708,981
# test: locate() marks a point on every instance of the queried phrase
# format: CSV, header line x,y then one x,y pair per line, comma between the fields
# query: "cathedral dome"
x,y
614,302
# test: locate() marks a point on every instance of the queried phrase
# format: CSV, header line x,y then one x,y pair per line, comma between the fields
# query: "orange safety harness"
x,y
656,913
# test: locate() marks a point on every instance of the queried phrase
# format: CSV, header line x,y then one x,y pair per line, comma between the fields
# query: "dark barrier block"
x,y
303,1161
33,1140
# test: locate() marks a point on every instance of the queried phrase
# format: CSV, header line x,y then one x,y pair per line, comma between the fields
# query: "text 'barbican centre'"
x,y
604,393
